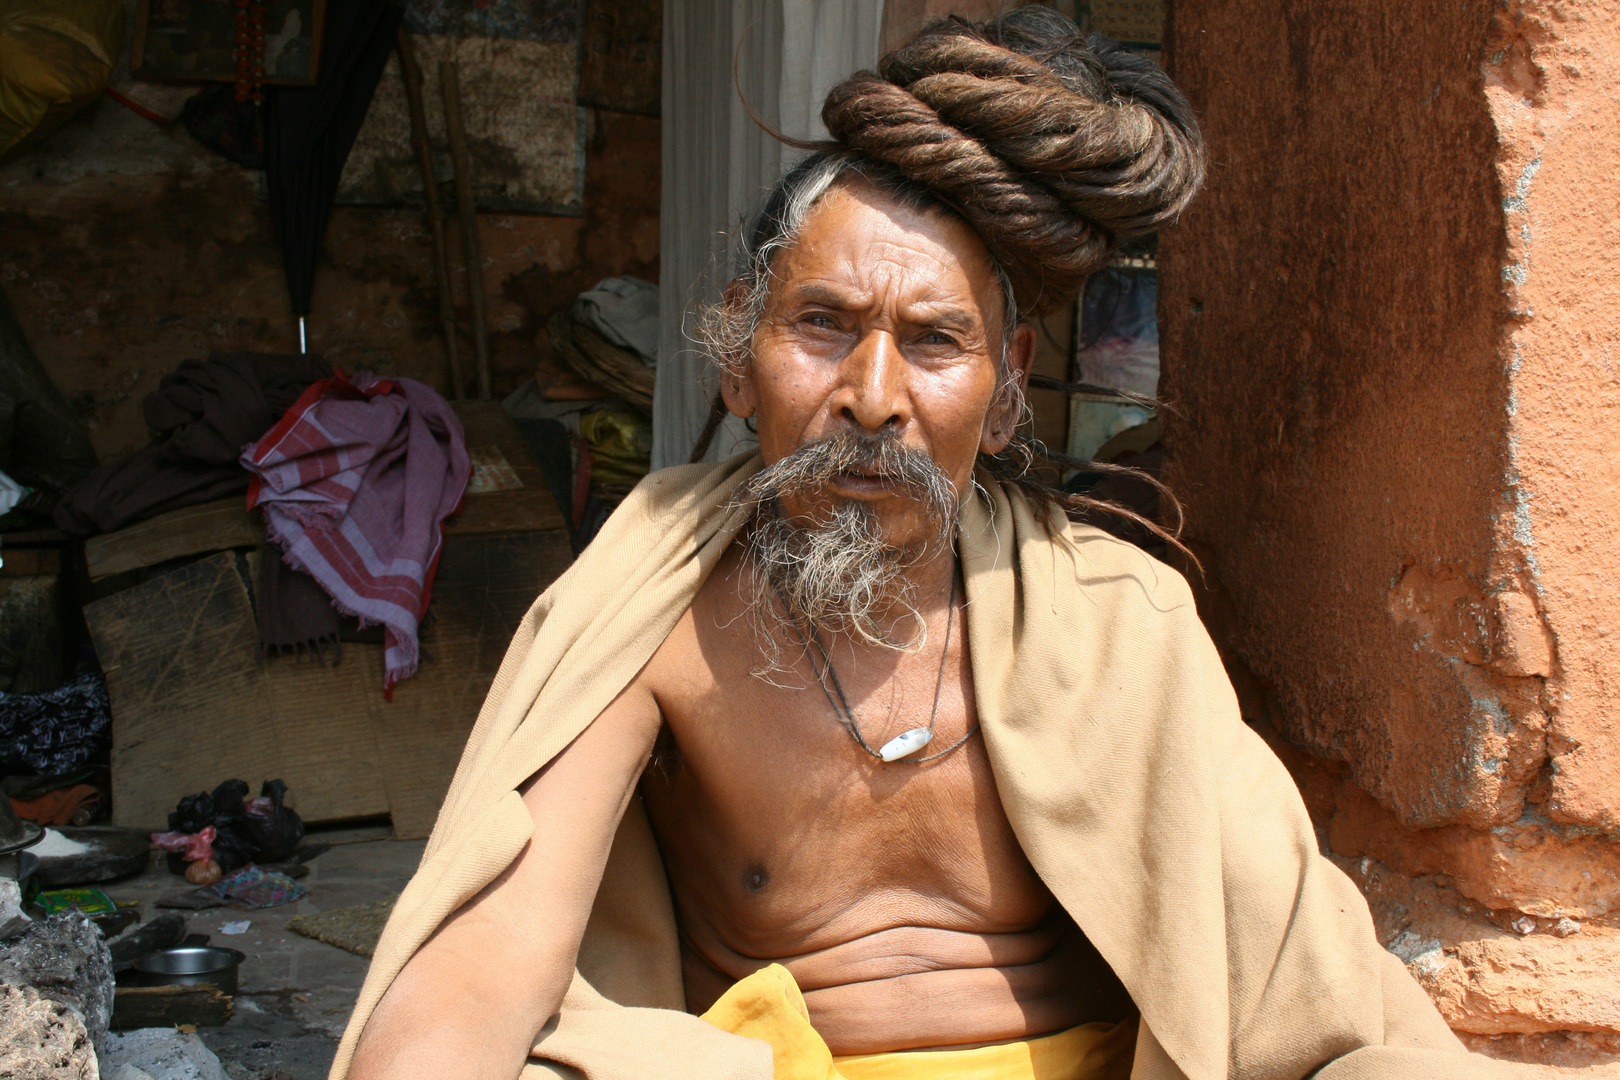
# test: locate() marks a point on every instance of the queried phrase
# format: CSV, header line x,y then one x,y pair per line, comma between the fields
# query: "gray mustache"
x,y
883,454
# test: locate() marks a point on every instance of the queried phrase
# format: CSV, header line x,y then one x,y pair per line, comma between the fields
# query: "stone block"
x,y
1528,866
64,959
42,1039
159,1054
13,919
1495,973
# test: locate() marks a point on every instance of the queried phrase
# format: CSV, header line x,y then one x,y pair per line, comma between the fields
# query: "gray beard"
x,y
839,575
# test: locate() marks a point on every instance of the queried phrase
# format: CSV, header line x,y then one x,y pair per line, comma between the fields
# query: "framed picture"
x,y
195,41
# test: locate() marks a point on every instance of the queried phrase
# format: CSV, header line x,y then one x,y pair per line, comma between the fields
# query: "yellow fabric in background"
x,y
620,444
55,58
768,1006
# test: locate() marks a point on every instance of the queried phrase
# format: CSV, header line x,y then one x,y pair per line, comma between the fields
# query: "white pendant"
x,y
907,742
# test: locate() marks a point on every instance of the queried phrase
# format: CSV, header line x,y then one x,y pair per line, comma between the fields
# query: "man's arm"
x,y
470,1003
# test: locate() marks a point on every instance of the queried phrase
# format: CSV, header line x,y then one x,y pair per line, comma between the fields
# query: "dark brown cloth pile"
x,y
296,616
202,415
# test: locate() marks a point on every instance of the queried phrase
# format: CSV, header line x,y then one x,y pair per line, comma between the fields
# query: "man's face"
x,y
882,319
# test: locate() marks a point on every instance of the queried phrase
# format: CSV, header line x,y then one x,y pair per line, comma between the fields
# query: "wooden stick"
x,y
461,158
166,1006
411,73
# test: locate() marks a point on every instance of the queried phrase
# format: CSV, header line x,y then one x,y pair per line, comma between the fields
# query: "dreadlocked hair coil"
x,y
1052,145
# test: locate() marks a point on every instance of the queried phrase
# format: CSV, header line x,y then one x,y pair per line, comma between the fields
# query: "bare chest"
x,y
782,836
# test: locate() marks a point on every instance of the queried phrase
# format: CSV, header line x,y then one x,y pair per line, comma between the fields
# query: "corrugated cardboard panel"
x,y
194,704
486,584
528,508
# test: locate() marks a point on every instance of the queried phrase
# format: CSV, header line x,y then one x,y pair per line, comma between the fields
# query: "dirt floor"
x,y
295,992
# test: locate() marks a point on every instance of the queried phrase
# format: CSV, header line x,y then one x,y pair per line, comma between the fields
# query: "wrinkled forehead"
x,y
864,244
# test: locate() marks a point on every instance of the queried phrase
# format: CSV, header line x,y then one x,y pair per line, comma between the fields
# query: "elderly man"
x,y
854,758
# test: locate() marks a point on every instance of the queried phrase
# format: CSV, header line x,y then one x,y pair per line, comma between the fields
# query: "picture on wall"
x,y
195,41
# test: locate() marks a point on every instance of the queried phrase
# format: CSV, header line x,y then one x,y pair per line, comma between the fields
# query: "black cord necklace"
x,y
907,742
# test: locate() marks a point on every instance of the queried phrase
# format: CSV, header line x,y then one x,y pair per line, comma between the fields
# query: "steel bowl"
x,y
190,965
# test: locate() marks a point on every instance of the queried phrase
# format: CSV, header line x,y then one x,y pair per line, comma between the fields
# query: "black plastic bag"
x,y
246,830
276,830
222,808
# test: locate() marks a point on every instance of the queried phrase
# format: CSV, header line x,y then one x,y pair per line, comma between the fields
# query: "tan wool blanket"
x,y
1165,827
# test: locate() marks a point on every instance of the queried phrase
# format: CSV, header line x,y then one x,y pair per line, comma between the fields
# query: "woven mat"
x,y
353,928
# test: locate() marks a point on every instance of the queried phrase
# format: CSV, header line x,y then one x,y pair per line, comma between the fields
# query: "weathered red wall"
x,y
127,248
1390,333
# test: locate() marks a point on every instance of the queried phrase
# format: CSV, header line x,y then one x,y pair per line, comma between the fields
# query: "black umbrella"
x,y
309,132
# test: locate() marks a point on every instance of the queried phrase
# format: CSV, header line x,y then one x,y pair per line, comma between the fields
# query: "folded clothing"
x,y
204,413
355,482
625,311
74,805
295,614
57,731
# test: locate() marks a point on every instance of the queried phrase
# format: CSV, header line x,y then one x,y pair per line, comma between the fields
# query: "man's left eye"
x,y
937,339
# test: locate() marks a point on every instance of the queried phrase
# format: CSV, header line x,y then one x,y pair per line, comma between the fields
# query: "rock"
x,y
13,919
159,1054
64,958
42,1039
1496,974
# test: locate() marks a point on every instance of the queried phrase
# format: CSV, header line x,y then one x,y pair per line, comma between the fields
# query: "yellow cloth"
x,y
1157,818
768,1006
55,58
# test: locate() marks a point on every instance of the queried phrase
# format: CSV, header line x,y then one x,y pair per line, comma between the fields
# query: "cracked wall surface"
x,y
127,248
1391,338
1551,78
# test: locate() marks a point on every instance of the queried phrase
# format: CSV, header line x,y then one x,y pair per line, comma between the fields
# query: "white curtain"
x,y
717,164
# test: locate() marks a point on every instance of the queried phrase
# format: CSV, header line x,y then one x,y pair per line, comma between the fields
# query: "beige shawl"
x,y
1158,819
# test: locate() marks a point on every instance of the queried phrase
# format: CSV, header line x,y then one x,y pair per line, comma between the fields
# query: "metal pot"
x,y
190,965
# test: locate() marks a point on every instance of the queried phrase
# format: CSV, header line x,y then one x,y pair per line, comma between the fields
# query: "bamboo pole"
x,y
411,72
461,158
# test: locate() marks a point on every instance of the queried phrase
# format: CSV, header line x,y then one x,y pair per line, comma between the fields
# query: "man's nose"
x,y
872,391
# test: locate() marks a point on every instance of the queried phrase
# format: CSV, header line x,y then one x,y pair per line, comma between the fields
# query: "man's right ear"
x,y
736,384
738,392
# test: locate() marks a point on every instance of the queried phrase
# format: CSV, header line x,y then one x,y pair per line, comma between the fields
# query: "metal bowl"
x,y
190,965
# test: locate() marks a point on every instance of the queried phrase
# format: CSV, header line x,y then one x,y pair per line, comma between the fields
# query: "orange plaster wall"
x,y
1391,336
1552,84
1331,316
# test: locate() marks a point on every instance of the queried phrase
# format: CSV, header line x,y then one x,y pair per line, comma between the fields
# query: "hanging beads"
x,y
249,51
